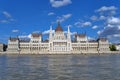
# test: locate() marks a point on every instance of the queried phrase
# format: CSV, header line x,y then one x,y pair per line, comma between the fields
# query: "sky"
x,y
96,18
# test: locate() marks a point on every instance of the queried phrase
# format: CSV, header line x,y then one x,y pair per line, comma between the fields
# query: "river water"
x,y
60,67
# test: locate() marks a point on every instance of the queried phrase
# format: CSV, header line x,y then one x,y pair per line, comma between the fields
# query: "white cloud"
x,y
83,24
67,16
94,18
60,3
78,24
91,38
98,18
36,31
51,13
113,20
7,17
95,27
6,14
109,22
73,33
63,17
14,31
116,35
102,17
112,29
86,24
105,8
68,25
99,32
25,36
47,32
4,21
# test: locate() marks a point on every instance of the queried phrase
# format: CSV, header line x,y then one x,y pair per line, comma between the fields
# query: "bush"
x,y
113,48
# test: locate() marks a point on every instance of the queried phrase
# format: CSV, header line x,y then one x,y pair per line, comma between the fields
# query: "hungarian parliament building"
x,y
58,43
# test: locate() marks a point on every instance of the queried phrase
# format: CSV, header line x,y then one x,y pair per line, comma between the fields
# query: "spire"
x,y
68,35
59,28
58,23
51,28
50,34
68,29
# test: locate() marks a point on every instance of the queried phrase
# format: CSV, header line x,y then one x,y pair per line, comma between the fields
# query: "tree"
x,y
113,48
4,47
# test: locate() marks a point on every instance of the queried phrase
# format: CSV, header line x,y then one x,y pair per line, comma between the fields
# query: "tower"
x,y
50,34
69,40
68,35
50,39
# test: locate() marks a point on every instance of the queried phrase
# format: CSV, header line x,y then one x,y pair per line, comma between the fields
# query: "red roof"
x,y
13,39
36,35
59,28
103,39
80,35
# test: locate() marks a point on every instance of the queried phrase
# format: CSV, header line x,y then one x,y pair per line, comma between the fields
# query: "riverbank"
x,y
60,53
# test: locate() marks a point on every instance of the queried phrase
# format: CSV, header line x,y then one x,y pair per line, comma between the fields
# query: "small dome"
x,y
59,28
36,35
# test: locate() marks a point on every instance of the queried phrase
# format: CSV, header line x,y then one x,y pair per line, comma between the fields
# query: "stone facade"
x,y
117,47
1,47
58,43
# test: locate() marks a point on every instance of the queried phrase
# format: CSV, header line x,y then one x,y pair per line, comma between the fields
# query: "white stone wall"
x,y
13,45
1,47
58,42
118,47
103,46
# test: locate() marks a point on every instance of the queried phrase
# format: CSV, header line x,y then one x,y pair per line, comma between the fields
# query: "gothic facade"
x,y
58,43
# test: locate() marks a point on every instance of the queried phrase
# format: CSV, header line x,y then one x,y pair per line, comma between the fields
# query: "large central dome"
x,y
59,28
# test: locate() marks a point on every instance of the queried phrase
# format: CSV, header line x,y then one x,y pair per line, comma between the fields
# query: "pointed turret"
x,y
68,35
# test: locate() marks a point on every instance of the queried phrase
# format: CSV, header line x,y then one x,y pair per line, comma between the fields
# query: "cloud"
x,y
87,24
68,25
78,24
113,21
107,11
14,31
102,17
112,33
83,24
63,17
51,13
7,17
4,21
6,14
103,13
36,31
99,32
25,36
94,18
60,3
105,8
112,29
90,38
110,24
95,27
73,33
47,32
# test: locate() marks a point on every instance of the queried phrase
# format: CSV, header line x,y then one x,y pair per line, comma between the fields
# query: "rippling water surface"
x,y
60,67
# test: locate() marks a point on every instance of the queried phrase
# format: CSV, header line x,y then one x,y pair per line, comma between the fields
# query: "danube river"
x,y
60,67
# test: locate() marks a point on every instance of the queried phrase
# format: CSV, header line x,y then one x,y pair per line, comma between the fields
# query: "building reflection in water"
x,y
59,67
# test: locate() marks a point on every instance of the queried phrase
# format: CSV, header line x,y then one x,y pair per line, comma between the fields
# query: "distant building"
x,y
117,46
1,47
58,42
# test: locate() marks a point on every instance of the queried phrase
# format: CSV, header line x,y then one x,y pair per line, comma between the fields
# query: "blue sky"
x,y
95,17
